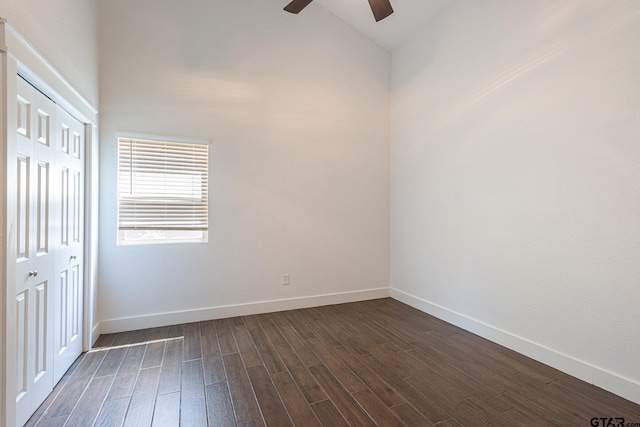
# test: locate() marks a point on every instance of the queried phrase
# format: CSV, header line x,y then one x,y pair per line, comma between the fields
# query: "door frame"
x,y
19,57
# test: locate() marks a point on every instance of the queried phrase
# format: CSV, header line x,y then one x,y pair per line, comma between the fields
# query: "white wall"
x,y
64,32
516,179
297,111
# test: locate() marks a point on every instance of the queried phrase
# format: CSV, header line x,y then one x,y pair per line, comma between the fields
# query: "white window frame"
x,y
161,235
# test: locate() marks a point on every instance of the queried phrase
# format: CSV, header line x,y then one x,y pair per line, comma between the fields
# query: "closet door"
x,y
35,248
49,246
69,236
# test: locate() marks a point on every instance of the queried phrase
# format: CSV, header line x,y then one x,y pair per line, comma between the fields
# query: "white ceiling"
x,y
388,33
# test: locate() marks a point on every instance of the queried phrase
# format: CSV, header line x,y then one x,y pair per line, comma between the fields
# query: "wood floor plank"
x,y
104,340
55,421
111,362
225,337
308,385
388,353
435,385
538,370
544,400
244,402
112,413
343,400
526,413
167,410
208,327
212,360
258,422
296,342
250,322
174,331
128,373
141,406
384,392
395,328
192,348
268,352
126,338
300,323
219,407
353,327
271,406
289,357
346,377
330,335
385,333
495,402
338,332
247,348
478,411
272,331
159,333
486,377
377,410
452,373
440,348
299,410
88,407
171,366
193,412
451,422
153,355
434,407
328,414
410,416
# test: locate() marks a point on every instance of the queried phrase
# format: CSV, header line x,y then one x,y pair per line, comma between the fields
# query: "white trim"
x,y
95,334
164,138
226,311
91,232
624,387
7,404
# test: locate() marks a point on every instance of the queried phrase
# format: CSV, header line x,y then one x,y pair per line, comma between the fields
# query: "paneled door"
x,y
49,246
69,240
35,248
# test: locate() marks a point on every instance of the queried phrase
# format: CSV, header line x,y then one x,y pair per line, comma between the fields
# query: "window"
x,y
162,191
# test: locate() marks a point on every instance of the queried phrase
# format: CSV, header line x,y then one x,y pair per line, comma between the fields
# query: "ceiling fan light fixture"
x,y
380,8
296,6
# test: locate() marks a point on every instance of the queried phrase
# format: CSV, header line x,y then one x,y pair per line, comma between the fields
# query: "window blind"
x,y
162,185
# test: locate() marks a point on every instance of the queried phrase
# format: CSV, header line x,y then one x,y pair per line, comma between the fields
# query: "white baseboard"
x,y
624,387
174,318
95,333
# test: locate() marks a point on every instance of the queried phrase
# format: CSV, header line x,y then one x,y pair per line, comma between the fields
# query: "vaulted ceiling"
x,y
407,17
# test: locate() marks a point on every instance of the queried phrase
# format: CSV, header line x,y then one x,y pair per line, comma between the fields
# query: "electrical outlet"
x,y
285,279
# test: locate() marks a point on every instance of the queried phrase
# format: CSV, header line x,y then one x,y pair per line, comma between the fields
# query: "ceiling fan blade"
x,y
297,5
381,9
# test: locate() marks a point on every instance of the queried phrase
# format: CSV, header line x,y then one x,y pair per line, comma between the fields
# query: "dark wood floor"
x,y
370,363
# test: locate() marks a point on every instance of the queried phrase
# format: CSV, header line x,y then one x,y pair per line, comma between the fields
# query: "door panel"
x,y
48,281
42,209
24,188
41,351
69,256
22,322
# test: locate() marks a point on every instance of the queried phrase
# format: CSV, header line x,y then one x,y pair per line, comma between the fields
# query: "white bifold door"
x,y
49,245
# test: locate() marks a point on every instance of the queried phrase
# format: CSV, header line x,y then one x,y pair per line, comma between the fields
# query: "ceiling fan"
x,y
380,8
